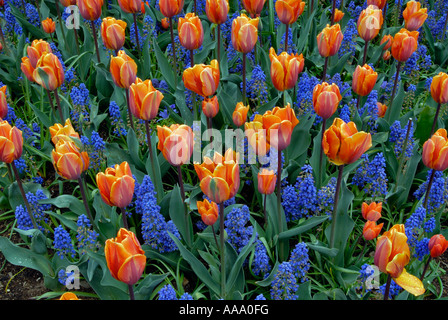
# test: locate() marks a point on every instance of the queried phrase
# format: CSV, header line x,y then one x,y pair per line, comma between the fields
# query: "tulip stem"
x,y
151,155
279,201
214,236
244,79
22,191
84,198
131,292
136,32
435,119
386,291
173,47
364,59
397,73
182,193
428,189
221,238
125,220
51,101
286,37
324,124
58,101
335,206
75,31
96,41
358,100
131,120
218,49
58,12
324,72
333,11
425,268
264,210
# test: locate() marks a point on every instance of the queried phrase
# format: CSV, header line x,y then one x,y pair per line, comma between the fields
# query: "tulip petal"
x,y
132,269
410,283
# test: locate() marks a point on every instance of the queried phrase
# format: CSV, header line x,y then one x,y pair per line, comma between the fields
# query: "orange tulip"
x,y
49,72
285,69
372,211
165,23
253,7
210,106
437,245
364,79
244,33
125,257
220,177
379,3
48,25
130,6
392,255
171,8
370,22
386,55
202,79
90,9
289,10
27,68
338,15
404,45
439,88
69,162
11,142
144,99
388,39
382,108
36,50
191,32
113,33
326,99
175,143
209,211
343,144
371,230
67,3
3,103
414,16
329,40
69,296
266,181
257,137
239,115
123,69
116,185
217,10
435,151
65,132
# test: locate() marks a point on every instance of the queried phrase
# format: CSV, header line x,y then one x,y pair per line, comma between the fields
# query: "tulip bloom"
x,y
404,45
69,296
144,99
266,181
209,211
191,32
392,255
123,69
288,11
364,79
326,99
69,162
435,151
239,115
113,33
244,33
202,79
90,9
257,137
414,16
372,211
11,142
371,230
65,132
338,15
388,39
116,185
171,8
36,50
370,22
48,25
329,40
67,3
210,106
382,108
285,69
27,68
343,144
220,177
217,10
253,7
437,245
386,55
175,143
125,257
49,72
130,6
379,3
3,103
439,88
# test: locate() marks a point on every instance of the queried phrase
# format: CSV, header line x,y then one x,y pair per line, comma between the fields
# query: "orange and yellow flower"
x,y
3,103
326,99
338,15
144,99
439,88
209,211
65,132
239,115
404,44
113,33
266,181
253,7
69,162
123,69
130,6
371,230
69,296
388,40
379,3
285,69
414,15
191,32
288,11
36,50
176,143
364,79
329,40
11,142
372,211
48,25
116,185
171,8
90,9
244,33
257,137
437,245
217,10
370,22
435,151
202,79
49,72
210,106
382,108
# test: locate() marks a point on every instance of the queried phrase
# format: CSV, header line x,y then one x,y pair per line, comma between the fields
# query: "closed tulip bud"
x,y
439,88
414,16
253,7
288,11
116,185
364,79
266,181
3,103
209,211
144,99
65,132
239,115
176,143
11,142
202,79
370,22
329,40
343,144
244,33
372,211
404,45
387,39
69,296
210,106
378,3
67,3
435,151
165,23
191,32
217,10
285,69
123,69
49,72
48,25
386,55
171,8
338,15
326,99
371,230
437,245
36,50
90,9
27,68
125,257
69,162
130,6
382,108
113,33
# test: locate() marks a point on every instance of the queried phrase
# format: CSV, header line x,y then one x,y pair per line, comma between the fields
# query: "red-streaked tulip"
x,y
288,11
338,15
113,33
3,103
130,6
435,151
90,9
266,181
210,106
144,99
253,7
257,136
176,143
191,32
329,40
209,211
66,132
36,50
244,33
326,99
439,88
370,22
285,69
371,230
217,10
123,69
165,22
239,115
69,162
125,257
378,3
414,16
27,68
116,185
202,79
11,142
388,39
171,8
49,72
48,25
364,79
386,55
437,245
404,45
372,211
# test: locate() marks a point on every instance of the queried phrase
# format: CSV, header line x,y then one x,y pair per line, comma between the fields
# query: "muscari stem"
x,y
335,206
22,191
435,119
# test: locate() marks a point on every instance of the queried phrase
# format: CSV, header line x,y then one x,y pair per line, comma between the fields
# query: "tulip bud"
x,y
144,100
209,211
49,72
329,40
288,11
69,162
90,9
364,79
239,115
371,230
123,69
130,6
404,45
48,25
370,22
165,23
338,15
372,211
414,16
435,151
217,10
191,32
116,185
326,99
437,245
210,106
3,103
266,181
382,108
11,142
388,39
244,33
171,8
176,143
285,69
113,33
439,88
